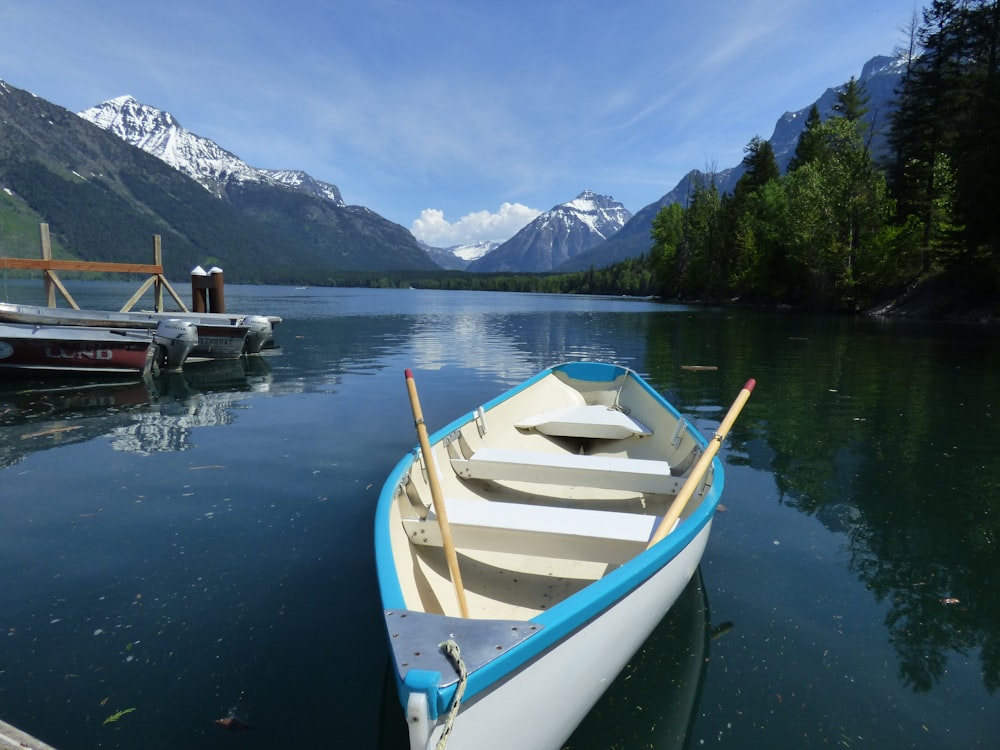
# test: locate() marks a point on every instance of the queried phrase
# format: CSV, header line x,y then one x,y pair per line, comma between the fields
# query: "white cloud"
x,y
431,227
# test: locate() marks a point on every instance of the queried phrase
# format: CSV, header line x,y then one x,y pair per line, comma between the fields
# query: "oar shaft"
x,y
437,497
698,472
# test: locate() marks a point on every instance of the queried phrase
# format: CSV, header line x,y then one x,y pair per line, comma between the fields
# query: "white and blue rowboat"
x,y
526,550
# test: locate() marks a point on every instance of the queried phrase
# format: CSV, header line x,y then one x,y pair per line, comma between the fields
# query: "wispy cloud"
x,y
407,104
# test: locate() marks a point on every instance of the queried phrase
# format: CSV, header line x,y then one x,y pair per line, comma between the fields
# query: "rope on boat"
x,y
454,654
616,406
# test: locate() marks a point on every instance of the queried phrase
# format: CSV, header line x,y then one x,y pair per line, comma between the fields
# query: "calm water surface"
x,y
174,551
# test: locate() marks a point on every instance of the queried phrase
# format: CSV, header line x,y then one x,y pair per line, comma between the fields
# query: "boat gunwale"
x,y
570,614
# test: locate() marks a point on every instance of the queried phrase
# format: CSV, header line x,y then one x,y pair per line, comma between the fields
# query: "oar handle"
x,y
437,497
695,477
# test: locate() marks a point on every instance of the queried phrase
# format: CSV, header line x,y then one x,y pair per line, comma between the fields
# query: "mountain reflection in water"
x,y
204,541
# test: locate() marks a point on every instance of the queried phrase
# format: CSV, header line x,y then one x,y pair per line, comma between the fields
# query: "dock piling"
x,y
208,290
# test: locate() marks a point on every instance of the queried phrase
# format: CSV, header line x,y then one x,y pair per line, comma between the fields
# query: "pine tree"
x,y
761,165
976,155
946,133
667,234
852,101
809,146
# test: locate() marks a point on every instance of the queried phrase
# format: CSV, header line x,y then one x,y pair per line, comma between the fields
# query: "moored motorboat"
x,y
526,550
221,336
93,350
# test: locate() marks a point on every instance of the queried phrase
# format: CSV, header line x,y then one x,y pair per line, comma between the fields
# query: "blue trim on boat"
x,y
595,372
385,566
572,613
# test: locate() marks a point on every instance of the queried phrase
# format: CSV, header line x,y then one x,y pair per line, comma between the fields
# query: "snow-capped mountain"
x,y
557,235
475,251
158,133
458,257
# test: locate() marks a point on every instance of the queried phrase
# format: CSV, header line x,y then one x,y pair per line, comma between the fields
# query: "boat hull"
x,y
524,711
551,519
219,341
220,336
58,349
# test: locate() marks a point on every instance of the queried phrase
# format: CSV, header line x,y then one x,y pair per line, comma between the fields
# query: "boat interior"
x,y
544,493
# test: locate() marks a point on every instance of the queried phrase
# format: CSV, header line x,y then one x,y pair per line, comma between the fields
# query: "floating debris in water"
x,y
117,715
720,630
52,431
233,723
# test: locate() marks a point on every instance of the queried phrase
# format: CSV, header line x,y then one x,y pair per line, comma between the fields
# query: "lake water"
x,y
172,553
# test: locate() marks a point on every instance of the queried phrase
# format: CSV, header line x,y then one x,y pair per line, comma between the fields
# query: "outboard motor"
x,y
261,331
175,339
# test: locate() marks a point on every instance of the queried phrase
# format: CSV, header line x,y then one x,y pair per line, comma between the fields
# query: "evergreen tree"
x,y
946,133
809,146
852,101
760,240
700,270
976,155
737,253
761,166
667,234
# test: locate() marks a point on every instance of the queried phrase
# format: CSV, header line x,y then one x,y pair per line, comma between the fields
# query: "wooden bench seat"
x,y
565,533
591,421
568,469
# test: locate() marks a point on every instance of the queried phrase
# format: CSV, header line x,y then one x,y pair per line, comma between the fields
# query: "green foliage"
x,y
632,277
946,136
819,236
810,146
667,234
852,101
837,231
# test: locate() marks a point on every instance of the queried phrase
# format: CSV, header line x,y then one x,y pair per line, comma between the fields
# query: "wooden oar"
x,y
674,512
436,495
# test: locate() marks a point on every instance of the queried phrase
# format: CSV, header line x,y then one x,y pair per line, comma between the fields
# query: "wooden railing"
x,y
48,267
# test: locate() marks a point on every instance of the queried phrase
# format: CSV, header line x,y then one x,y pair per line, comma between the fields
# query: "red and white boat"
x,y
95,351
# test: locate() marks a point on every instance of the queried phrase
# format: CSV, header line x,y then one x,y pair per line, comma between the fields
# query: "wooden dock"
x,y
12,738
48,266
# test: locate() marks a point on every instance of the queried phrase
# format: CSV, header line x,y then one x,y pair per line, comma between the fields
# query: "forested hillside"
x,y
104,199
840,231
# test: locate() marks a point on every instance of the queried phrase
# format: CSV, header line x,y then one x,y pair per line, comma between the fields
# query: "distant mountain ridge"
x,y
105,198
458,257
880,76
561,233
159,133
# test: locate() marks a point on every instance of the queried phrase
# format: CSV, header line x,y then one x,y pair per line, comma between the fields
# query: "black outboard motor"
x,y
175,339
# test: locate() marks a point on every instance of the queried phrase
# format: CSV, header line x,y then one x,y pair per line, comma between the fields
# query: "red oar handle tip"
x,y
408,373
750,385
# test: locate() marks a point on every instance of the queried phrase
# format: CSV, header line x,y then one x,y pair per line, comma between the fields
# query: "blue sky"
x,y
459,119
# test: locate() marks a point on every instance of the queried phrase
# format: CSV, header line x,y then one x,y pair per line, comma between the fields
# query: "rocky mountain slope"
x,y
104,199
158,133
458,257
880,76
563,232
